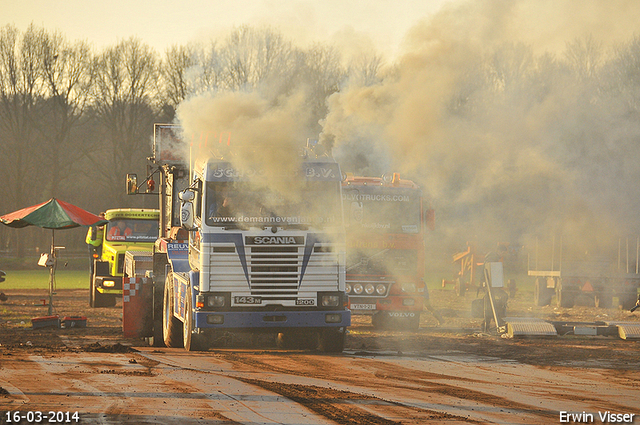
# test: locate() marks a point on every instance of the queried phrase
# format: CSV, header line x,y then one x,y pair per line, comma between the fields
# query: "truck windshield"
x,y
381,210
239,204
132,230
382,261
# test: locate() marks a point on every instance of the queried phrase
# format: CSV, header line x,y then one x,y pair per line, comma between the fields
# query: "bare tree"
x,y
365,70
252,58
623,75
68,72
584,56
174,71
20,88
510,65
125,106
321,74
206,73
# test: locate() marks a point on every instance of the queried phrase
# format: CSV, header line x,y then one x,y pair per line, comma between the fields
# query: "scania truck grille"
x,y
274,272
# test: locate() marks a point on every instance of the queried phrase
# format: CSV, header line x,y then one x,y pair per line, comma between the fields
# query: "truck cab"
x,y
257,261
385,227
128,229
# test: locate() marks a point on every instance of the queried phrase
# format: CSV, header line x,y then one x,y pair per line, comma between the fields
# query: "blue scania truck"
x,y
236,256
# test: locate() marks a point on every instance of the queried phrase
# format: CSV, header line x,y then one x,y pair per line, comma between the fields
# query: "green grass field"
x,y
39,279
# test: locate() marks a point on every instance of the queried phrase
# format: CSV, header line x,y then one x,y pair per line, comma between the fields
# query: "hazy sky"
x,y
161,23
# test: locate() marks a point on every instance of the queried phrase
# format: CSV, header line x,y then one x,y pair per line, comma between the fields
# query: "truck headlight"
x,y
108,283
381,289
215,301
369,288
357,289
330,300
347,288
409,287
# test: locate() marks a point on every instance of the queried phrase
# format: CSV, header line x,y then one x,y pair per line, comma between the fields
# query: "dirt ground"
x,y
451,373
459,332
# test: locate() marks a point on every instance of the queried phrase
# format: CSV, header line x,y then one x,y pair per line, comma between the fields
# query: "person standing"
x,y
94,242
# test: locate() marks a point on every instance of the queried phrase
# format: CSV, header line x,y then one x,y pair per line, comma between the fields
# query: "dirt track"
x,y
450,374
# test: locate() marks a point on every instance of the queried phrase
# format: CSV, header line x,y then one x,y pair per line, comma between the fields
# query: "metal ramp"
x,y
518,327
627,330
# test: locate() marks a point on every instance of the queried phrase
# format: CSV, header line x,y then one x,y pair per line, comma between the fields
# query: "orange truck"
x,y
385,221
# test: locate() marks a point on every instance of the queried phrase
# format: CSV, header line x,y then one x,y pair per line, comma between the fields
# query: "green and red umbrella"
x,y
53,214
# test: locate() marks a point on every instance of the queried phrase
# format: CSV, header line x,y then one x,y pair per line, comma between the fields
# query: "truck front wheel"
x,y
191,341
332,340
171,326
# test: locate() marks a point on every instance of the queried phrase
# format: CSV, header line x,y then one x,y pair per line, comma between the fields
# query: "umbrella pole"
x,y
51,271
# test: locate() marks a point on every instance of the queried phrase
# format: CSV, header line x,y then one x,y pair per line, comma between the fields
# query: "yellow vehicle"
x,y
128,230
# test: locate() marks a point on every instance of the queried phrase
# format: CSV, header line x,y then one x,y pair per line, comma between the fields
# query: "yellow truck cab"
x,y
128,229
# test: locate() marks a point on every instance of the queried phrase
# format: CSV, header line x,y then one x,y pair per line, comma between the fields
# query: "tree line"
x,y
74,121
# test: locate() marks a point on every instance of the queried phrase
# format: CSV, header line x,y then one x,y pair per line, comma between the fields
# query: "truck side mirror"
x,y
187,195
132,184
186,216
186,210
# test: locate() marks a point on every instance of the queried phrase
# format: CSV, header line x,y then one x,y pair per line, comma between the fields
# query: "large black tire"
x,y
565,297
541,294
627,300
413,323
190,340
171,326
378,320
160,270
92,294
332,340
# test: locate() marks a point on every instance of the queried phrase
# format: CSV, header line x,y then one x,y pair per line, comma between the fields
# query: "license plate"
x,y
247,300
363,306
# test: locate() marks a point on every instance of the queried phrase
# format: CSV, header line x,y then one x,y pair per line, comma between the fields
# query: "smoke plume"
x,y
251,132
506,114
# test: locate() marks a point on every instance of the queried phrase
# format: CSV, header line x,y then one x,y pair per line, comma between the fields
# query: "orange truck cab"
x,y
385,225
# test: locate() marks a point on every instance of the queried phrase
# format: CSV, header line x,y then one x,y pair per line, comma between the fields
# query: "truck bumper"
x,y
371,305
109,291
116,289
272,319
